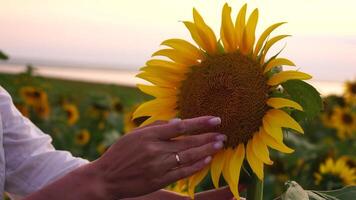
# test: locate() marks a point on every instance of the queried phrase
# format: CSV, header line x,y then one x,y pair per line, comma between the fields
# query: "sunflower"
x,y
230,78
344,121
350,91
180,187
129,122
335,174
101,148
83,137
72,113
32,96
23,109
43,110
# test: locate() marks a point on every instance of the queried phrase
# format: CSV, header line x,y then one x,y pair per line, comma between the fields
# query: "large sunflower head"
x,y
334,174
230,78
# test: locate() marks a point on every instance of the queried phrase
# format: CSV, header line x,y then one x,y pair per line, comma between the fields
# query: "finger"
x,y
177,127
188,142
158,122
215,194
183,172
190,156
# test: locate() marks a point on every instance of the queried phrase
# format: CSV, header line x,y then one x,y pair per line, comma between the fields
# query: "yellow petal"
x,y
240,25
228,35
260,149
184,46
249,33
195,36
162,116
287,75
263,37
176,56
161,79
277,103
278,62
282,119
165,63
157,91
166,70
271,129
269,44
195,180
217,166
154,106
226,168
271,142
206,33
255,163
235,167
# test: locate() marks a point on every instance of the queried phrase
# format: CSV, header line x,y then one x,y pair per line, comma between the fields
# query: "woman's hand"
x,y
152,157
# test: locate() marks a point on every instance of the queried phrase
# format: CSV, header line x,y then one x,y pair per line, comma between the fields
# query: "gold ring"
x,y
178,159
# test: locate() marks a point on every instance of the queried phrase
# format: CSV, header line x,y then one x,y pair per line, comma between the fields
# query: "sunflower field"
x,y
285,140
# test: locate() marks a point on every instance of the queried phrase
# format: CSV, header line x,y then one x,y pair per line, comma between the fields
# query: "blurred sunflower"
x,y
350,91
334,174
23,109
101,148
83,137
232,80
43,110
32,96
72,113
344,121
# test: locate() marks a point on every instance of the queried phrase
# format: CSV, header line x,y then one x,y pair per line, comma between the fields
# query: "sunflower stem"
x,y
255,189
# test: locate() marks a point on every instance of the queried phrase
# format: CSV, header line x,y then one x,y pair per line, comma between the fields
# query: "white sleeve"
x,y
31,160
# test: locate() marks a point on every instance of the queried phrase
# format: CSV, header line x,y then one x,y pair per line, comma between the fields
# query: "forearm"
x,y
82,183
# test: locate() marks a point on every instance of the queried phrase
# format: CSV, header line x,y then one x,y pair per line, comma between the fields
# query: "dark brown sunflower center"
x,y
347,118
230,86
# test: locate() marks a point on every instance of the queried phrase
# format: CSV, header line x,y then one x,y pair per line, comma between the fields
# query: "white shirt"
x,y
28,161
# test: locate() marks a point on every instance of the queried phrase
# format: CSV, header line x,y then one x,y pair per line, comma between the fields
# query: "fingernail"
x,y
220,137
215,121
218,145
207,160
174,121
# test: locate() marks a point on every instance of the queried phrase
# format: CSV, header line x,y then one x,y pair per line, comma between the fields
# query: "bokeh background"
x,y
72,66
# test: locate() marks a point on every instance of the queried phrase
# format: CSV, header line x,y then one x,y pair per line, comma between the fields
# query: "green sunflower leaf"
x,y
3,56
307,96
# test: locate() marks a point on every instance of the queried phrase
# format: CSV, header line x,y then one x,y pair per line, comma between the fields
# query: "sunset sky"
x,y
124,33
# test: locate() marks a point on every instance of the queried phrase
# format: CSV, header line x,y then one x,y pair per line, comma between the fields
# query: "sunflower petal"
x,y
235,167
269,44
263,38
282,102
255,163
227,31
194,33
274,144
217,166
278,62
162,116
184,46
248,39
260,149
177,56
165,63
282,119
195,180
287,75
157,91
154,106
240,25
274,131
205,32
165,81
226,169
